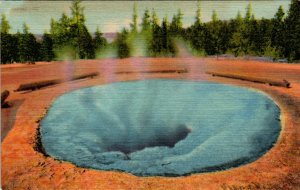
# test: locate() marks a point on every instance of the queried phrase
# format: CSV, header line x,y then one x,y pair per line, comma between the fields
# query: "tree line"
x,y
159,36
278,37
69,34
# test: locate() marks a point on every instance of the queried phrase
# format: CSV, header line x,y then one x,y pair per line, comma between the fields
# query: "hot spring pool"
x,y
160,127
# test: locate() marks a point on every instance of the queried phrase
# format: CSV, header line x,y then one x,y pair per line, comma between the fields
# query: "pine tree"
x,y
214,17
196,33
179,22
28,47
99,41
213,35
134,24
249,23
71,32
161,43
279,16
237,40
165,34
47,53
123,47
25,29
243,38
263,36
62,32
5,27
225,33
6,48
292,31
254,35
155,42
198,14
248,13
7,42
85,44
167,44
239,18
176,26
154,19
277,39
77,12
146,21
82,39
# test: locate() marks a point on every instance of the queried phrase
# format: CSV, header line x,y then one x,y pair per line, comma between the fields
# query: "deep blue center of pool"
x,y
160,127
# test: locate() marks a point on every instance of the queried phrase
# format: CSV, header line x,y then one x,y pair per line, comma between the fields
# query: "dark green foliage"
x,y
28,46
123,47
212,36
196,33
99,41
62,31
85,44
47,53
82,39
9,43
162,43
242,38
237,40
9,48
176,26
263,37
224,35
292,34
69,32
72,32
277,37
164,33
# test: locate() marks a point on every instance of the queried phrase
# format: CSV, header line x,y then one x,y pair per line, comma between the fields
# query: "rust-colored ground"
x,y
25,168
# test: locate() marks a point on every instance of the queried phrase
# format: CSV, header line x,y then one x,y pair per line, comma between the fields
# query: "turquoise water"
x,y
160,127
111,16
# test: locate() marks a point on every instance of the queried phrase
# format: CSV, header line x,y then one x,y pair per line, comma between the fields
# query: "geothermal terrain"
x,y
26,166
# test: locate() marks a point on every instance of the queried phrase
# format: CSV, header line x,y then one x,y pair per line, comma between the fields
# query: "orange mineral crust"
x,y
25,167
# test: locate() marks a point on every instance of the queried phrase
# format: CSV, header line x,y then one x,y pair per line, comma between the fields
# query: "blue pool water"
x,y
160,127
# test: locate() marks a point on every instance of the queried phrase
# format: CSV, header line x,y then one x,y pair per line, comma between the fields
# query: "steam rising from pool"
x,y
160,127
